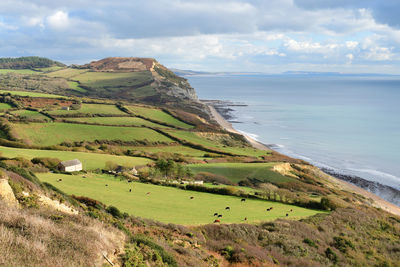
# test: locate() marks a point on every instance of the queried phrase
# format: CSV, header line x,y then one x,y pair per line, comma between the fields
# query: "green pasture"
x,y
171,205
194,138
75,86
91,109
66,73
129,121
5,106
47,134
92,76
240,171
30,115
22,71
32,94
49,69
158,115
90,161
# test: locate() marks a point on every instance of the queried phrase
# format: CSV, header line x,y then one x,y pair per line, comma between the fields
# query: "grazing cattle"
x,y
148,193
130,190
287,214
271,208
217,221
291,210
228,208
268,209
191,197
243,200
245,218
216,214
220,215
106,184
59,180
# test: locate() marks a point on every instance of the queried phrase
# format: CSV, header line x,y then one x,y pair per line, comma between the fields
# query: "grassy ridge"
x,y
170,205
240,171
90,161
47,134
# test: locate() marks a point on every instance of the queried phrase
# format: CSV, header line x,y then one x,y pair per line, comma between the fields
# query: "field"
x,y
91,109
32,94
4,106
66,73
131,121
93,77
158,115
192,137
22,71
240,171
90,161
170,205
30,115
47,134
75,86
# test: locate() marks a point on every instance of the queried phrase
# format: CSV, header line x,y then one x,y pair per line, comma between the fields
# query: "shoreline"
x,y
344,185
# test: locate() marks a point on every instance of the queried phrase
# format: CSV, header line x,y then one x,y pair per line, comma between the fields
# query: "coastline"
x,y
378,202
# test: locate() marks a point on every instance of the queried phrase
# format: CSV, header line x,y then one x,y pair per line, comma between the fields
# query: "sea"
x,y
346,123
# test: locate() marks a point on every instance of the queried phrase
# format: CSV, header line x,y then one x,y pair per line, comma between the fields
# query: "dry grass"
x,y
48,238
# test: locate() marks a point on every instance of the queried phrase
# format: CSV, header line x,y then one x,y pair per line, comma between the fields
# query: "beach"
x,y
378,202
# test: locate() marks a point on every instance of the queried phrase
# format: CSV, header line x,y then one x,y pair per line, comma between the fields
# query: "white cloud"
x,y
58,20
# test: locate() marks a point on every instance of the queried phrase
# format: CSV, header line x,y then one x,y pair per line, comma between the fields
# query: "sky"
x,y
271,36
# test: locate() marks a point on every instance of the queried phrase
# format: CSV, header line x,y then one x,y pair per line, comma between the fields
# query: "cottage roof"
x,y
69,163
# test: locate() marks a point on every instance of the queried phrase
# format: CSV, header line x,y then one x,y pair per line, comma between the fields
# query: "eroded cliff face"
x,y
165,81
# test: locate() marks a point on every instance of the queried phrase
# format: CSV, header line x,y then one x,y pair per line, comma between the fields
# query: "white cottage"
x,y
71,165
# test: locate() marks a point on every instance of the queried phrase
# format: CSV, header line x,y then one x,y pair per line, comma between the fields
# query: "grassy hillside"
x,y
111,122
43,134
171,205
158,115
237,172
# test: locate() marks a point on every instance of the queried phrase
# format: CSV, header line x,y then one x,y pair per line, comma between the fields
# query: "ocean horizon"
x,y
347,124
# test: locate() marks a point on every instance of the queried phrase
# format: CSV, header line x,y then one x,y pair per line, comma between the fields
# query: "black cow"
x,y
243,200
130,190
220,215
215,214
228,208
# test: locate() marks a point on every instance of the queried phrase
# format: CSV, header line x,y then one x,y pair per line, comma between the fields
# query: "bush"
x,y
143,240
331,255
51,163
342,244
89,202
114,211
310,242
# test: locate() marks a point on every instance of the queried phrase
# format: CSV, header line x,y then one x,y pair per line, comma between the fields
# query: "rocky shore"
x,y
389,193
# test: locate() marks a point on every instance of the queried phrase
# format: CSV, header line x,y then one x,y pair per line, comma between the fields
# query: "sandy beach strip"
x,y
378,202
